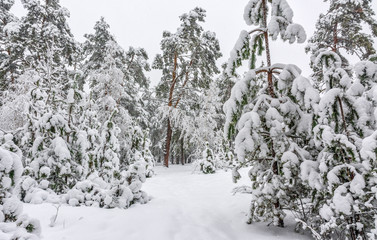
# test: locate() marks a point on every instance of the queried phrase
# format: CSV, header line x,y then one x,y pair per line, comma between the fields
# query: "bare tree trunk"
x,y
167,146
170,104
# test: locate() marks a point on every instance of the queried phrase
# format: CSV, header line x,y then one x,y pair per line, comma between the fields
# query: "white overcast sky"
x,y
140,23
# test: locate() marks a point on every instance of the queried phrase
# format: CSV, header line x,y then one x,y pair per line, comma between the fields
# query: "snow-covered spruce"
x,y
270,113
13,225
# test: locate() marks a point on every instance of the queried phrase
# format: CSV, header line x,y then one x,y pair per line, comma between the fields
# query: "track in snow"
x,y
184,206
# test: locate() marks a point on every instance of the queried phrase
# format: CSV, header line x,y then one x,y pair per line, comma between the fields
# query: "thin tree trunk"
x,y
268,54
167,146
275,166
182,153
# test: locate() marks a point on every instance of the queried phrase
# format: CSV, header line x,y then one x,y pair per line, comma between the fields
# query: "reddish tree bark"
x,y
170,104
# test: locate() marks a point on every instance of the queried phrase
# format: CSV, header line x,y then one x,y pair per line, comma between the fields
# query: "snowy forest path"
x,y
195,203
184,206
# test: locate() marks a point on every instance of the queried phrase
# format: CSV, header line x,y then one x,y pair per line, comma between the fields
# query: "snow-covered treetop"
x,y
195,15
194,50
102,34
133,62
253,13
341,27
45,28
277,21
109,78
137,64
342,30
93,46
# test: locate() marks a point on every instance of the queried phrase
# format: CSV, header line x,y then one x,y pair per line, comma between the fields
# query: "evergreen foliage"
x,y
269,114
10,49
340,30
14,225
81,125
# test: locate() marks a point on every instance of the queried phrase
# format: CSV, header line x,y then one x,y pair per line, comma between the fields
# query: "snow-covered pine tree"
x,y
183,125
14,225
131,65
90,124
137,87
140,149
95,44
78,137
339,184
188,62
107,82
224,83
270,112
46,137
50,139
151,103
12,89
108,184
340,30
10,49
342,204
366,73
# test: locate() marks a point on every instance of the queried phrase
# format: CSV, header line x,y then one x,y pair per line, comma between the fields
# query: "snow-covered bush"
x,y
13,225
107,186
121,193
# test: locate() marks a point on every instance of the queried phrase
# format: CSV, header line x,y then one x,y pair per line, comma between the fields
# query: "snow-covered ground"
x,y
184,206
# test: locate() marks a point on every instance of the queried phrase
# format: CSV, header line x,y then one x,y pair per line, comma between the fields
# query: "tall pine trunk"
x,y
170,104
167,146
